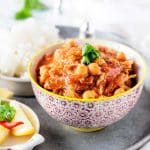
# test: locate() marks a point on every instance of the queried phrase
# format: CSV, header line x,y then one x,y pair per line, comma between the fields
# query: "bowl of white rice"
x,y
17,46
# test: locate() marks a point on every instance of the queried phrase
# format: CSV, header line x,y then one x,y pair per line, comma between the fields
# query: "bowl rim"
x,y
27,108
84,99
14,79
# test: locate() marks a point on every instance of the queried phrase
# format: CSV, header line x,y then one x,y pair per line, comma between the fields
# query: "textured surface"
x,y
118,136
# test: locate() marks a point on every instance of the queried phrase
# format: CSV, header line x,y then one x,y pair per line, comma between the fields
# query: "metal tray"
x,y
118,136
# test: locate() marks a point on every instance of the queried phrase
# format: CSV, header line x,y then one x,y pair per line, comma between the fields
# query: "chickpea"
x,y
58,54
90,94
102,96
47,85
121,56
127,64
70,93
101,79
43,69
81,70
101,89
43,77
120,90
43,74
70,43
94,69
100,61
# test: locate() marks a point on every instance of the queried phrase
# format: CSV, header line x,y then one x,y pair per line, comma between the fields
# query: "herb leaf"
x,y
39,6
35,4
30,5
22,14
89,54
85,60
7,112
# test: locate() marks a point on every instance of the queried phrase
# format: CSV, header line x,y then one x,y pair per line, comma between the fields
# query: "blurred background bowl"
x,y
20,87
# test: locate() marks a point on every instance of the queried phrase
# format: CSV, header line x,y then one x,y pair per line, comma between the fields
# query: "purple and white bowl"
x,y
84,114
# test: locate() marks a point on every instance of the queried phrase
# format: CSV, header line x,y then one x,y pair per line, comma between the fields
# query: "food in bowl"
x,y
89,114
86,71
20,43
13,121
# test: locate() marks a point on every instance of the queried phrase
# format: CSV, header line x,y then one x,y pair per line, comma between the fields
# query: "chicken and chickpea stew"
x,y
86,71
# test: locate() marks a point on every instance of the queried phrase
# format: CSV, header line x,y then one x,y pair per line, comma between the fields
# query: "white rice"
x,y
19,44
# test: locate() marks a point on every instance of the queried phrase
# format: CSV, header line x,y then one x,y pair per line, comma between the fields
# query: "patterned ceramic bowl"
x,y
84,114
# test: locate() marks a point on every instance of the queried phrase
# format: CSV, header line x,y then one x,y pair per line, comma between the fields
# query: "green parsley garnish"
x,y
89,54
29,5
22,14
7,112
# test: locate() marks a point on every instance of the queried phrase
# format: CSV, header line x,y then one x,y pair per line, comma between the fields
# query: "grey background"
x,y
118,136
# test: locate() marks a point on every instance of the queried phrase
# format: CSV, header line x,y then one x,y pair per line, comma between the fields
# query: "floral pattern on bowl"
x,y
88,114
